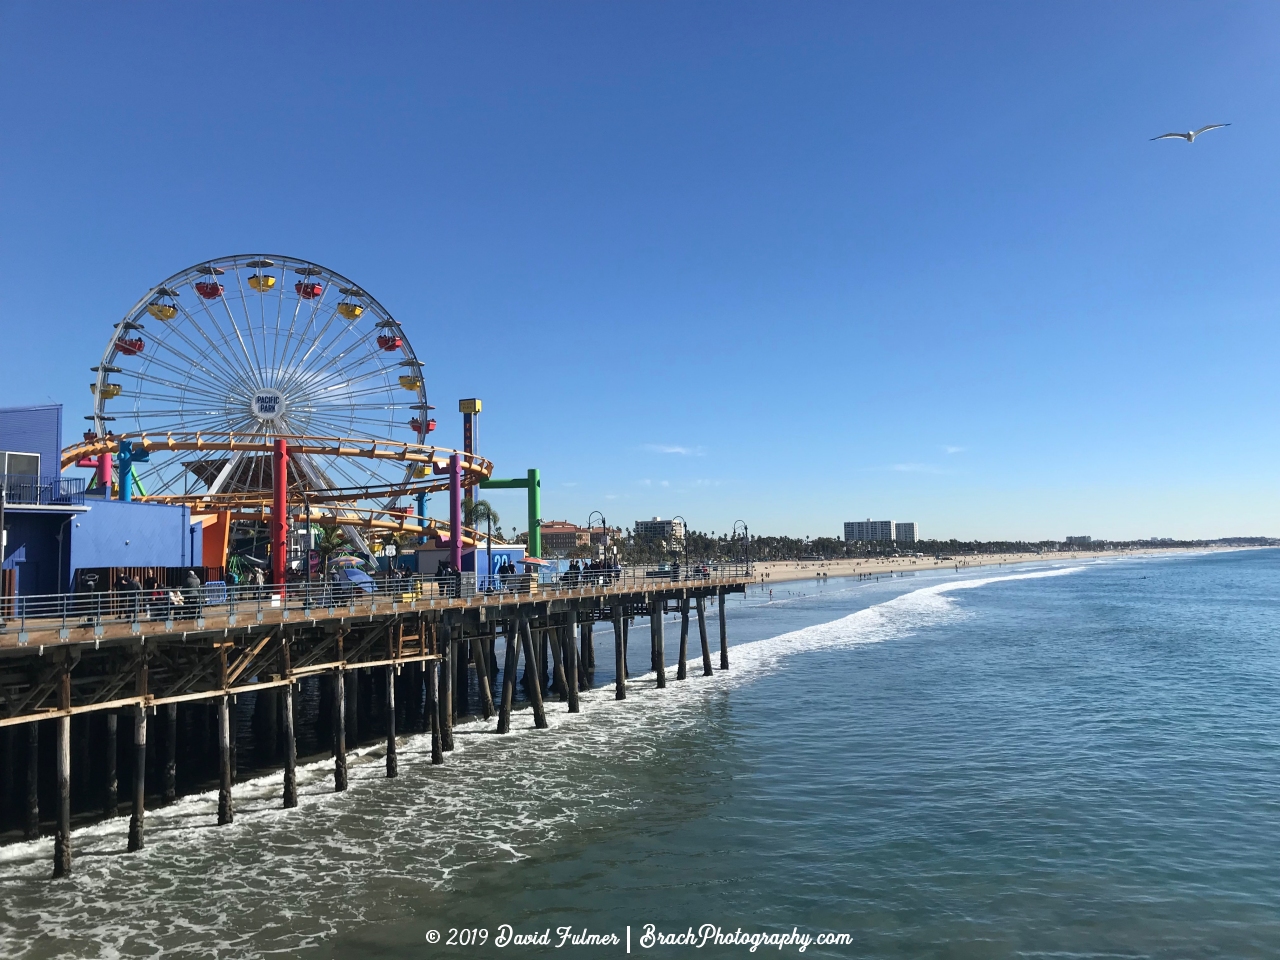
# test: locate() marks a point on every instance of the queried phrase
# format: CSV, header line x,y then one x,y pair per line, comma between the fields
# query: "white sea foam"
x,y
277,880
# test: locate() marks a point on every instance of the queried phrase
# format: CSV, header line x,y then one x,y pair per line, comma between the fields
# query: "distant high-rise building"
x,y
1079,541
905,532
873,531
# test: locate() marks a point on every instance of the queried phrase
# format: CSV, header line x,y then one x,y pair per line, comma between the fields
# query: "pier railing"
x,y
189,608
26,491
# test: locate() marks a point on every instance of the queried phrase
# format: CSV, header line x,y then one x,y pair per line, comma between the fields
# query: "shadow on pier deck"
x,y
400,657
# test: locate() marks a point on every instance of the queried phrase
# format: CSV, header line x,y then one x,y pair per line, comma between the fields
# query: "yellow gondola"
x,y
411,383
262,282
350,310
109,390
162,311
421,471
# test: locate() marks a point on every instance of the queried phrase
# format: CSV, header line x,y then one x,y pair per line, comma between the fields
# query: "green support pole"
x,y
532,484
535,513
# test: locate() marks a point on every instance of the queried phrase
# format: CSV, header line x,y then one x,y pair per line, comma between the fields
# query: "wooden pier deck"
x,y
405,655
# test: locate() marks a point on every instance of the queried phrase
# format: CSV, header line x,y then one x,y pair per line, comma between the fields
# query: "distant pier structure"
x,y
114,700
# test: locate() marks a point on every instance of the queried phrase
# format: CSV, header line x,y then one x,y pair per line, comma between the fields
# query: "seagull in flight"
x,y
1191,137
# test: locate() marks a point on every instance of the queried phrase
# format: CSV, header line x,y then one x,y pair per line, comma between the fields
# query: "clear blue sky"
x,y
790,263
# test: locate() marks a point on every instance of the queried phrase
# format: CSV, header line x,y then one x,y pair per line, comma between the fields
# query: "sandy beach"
x,y
780,571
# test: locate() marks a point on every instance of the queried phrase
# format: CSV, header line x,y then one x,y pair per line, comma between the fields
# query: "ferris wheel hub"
x,y
268,405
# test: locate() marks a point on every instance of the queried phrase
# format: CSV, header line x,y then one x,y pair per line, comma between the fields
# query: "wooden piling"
x,y
461,689
681,670
626,638
571,662
392,765
535,688
702,635
555,638
62,839
286,717
479,649
508,677
619,656
724,633
111,783
446,687
589,646
339,730
225,811
170,779
31,827
659,654
139,778
351,685
434,669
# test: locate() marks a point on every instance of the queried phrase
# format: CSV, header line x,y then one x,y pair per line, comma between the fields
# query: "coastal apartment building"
x,y
671,531
880,531
869,531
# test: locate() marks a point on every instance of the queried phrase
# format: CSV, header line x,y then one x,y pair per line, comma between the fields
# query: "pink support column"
x,y
455,511
280,512
104,474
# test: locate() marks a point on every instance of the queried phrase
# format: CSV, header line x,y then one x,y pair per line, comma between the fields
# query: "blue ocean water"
x,y
1077,760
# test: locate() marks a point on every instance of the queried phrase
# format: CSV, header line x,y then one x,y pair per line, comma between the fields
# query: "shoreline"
x,y
783,571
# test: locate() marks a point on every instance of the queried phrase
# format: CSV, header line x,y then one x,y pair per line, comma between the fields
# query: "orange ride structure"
x,y
268,389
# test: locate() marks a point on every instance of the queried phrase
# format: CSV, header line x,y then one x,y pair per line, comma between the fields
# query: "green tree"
x,y
331,542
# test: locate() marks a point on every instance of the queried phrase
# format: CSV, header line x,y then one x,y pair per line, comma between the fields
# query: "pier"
x,y
402,656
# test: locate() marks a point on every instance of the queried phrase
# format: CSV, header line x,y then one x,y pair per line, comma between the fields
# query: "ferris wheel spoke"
x,y
302,368
337,386
181,388
196,356
303,338
191,363
246,376
248,321
254,364
344,371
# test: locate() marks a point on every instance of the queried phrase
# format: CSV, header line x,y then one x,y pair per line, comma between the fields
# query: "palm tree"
x,y
332,542
475,512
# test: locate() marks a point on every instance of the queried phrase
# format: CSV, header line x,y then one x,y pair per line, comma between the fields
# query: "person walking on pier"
x,y
191,595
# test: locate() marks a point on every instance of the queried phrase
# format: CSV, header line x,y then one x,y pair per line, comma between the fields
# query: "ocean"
x,y
1060,760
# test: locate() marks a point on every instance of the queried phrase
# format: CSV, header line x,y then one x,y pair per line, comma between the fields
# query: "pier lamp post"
x,y
603,527
684,541
746,540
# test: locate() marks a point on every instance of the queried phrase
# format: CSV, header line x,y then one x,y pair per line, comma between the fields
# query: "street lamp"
x,y
684,539
603,527
746,540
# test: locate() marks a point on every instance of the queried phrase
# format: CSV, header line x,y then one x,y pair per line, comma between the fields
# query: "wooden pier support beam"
x,y
62,840
31,826
724,633
446,687
626,639
339,730
702,635
170,779
111,782
226,813
138,815
571,662
479,651
434,669
555,637
619,654
682,670
508,677
286,718
659,653
461,688
393,767
535,687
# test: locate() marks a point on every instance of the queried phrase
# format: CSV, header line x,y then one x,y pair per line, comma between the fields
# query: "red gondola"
x,y
130,348
308,290
209,289
389,343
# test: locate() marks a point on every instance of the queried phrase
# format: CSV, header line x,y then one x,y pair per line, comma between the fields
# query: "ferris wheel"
x,y
260,346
